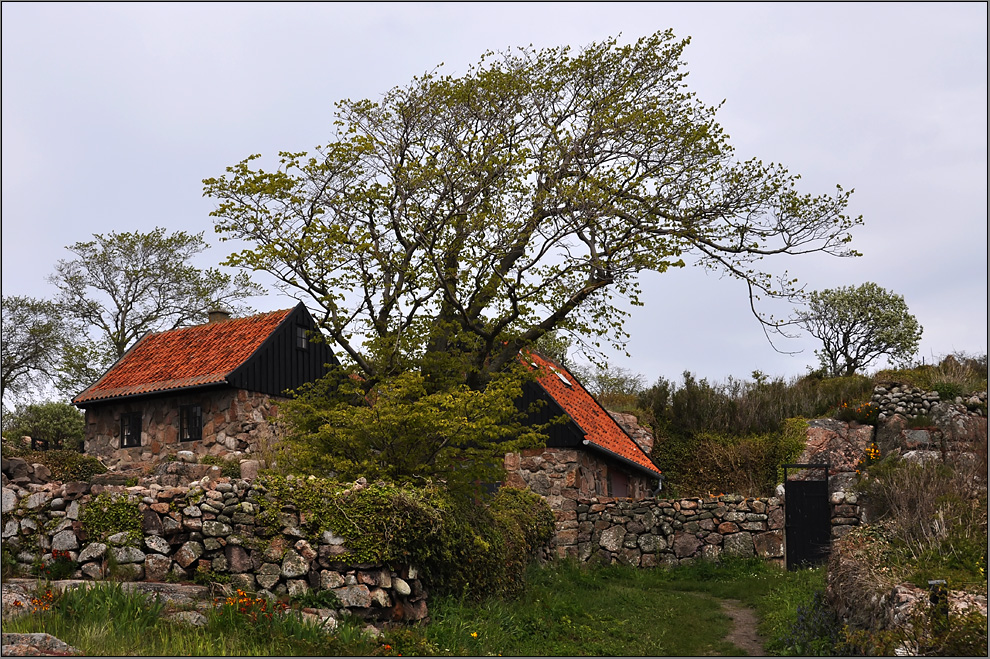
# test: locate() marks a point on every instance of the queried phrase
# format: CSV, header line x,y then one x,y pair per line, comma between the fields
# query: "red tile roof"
x,y
600,428
186,357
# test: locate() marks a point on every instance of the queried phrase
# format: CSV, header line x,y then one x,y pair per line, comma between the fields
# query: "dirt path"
x,y
743,633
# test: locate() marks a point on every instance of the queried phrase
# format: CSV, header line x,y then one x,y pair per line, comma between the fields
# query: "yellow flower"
x,y
474,634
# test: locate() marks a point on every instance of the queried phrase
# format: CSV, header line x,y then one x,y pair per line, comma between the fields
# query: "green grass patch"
x,y
566,609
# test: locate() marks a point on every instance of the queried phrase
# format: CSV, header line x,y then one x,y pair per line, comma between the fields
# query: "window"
x,y
130,429
301,341
190,423
618,483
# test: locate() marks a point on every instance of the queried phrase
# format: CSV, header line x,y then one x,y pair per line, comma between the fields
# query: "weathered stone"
x,y
36,644
219,563
647,543
769,545
72,510
95,551
36,501
75,489
65,541
129,571
192,511
354,596
188,553
685,544
119,539
216,529
401,587
305,550
151,523
245,581
188,618
297,587
268,575
10,529
237,558
93,571
611,539
380,598
738,544
294,565
156,567
127,555
249,469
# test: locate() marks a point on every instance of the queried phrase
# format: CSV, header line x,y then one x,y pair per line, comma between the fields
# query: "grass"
x,y
566,609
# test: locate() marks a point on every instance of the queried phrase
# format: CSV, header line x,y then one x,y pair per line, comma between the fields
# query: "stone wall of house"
x,y
563,476
208,527
234,422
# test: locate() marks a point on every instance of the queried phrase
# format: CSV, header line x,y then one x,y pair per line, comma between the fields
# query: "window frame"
x,y
129,438
302,337
188,414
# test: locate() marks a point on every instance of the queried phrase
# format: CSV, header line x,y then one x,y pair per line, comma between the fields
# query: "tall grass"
x,y
566,609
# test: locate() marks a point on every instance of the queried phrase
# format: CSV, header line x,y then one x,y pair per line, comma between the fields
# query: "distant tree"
x,y
856,325
603,380
474,214
123,285
34,336
53,421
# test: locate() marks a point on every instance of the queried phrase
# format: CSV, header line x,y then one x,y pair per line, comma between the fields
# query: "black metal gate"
x,y
807,516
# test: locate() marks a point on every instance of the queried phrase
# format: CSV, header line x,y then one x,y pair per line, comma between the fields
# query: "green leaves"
x,y
122,285
521,197
404,430
857,325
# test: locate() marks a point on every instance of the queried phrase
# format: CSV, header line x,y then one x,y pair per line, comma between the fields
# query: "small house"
x,y
589,455
208,389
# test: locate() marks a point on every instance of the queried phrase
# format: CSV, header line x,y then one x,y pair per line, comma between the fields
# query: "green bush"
x,y
108,514
58,423
462,544
65,464
228,468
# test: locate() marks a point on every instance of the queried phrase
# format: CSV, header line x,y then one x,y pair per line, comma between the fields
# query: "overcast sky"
x,y
114,113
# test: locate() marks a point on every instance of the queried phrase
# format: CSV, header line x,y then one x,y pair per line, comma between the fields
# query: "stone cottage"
x,y
207,389
590,455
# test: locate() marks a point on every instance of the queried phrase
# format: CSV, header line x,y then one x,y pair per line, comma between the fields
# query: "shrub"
x,y
108,514
65,464
228,468
816,632
59,423
462,544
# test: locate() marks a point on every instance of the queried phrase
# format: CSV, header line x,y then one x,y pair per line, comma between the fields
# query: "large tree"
x,y
859,324
34,336
120,286
467,216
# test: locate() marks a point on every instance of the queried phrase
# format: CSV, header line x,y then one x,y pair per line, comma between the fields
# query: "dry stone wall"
x,y
208,527
656,532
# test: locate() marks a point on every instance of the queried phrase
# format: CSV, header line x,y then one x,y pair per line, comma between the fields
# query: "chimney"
x,y
218,315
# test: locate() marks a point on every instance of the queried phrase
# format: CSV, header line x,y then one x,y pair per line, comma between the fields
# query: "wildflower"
x,y
474,634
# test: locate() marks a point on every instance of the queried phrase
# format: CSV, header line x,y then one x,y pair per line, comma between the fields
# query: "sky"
x,y
113,114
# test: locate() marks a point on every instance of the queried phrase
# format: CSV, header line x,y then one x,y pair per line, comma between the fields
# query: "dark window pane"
x,y
190,423
130,429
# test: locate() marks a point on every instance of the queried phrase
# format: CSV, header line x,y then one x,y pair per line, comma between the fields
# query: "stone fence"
x,y
654,532
208,530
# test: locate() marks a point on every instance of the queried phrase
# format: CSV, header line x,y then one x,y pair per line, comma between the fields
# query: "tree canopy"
x,y
469,215
34,336
857,325
122,285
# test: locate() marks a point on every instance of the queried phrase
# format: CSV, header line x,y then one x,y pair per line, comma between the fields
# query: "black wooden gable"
x,y
288,358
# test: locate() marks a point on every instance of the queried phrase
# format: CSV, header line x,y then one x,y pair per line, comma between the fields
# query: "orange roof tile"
x,y
600,428
186,357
